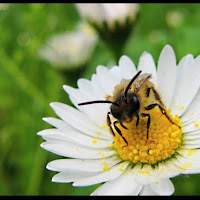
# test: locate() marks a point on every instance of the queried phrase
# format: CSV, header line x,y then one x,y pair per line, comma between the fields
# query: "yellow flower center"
x,y
163,138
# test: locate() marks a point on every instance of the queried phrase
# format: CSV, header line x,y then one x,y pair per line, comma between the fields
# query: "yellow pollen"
x,y
121,170
191,152
105,166
94,140
144,172
182,107
164,138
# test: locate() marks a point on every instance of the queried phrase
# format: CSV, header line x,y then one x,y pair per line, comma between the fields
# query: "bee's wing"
x,y
140,81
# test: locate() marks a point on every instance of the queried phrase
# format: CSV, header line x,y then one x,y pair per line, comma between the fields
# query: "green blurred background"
x,y
28,84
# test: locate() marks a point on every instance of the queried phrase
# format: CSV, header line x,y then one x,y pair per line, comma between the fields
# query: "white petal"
x,y
106,79
192,126
79,120
190,146
167,169
95,12
191,135
127,67
68,177
191,141
72,135
116,72
147,191
193,110
97,87
144,175
68,149
166,71
147,65
193,154
85,86
191,119
186,165
190,155
163,187
79,165
187,85
96,112
185,62
122,185
111,174
57,123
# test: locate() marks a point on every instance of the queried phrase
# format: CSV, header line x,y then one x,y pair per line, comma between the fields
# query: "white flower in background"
x,y
114,22
156,36
70,49
174,18
3,6
144,165
108,12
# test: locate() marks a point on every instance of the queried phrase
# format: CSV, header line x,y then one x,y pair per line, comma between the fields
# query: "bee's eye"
x,y
136,103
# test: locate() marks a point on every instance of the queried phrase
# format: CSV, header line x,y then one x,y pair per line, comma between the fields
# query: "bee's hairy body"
x,y
144,96
142,89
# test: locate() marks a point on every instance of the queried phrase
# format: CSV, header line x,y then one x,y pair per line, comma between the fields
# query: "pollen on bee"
x,y
164,138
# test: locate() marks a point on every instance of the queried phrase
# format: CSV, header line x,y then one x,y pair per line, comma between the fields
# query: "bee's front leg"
x,y
148,122
109,123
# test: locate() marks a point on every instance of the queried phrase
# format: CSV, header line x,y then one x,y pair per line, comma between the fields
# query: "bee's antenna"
x,y
127,88
98,101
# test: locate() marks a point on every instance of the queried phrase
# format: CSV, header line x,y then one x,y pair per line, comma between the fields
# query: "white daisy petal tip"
x,y
145,53
125,59
168,47
163,187
46,119
69,90
43,145
166,53
40,133
50,166
65,87
53,104
100,68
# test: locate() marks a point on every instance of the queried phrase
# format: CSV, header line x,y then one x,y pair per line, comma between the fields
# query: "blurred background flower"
x,y
100,13
70,50
28,83
113,22
174,18
3,6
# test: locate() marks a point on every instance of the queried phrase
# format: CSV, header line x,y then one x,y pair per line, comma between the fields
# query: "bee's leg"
x,y
117,129
109,123
123,126
148,122
151,106
156,94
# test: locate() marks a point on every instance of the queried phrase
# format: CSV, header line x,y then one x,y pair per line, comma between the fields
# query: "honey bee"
x,y
132,98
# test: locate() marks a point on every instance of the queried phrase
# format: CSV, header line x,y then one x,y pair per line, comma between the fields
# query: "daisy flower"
x,y
143,166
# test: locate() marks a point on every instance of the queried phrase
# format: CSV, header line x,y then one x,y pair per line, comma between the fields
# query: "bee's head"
x,y
125,109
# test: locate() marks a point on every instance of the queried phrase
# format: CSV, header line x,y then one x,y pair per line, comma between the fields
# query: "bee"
x,y
132,98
